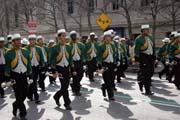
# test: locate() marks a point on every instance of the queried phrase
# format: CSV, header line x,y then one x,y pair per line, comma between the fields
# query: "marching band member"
x,y
145,55
107,60
45,52
91,55
163,56
61,61
2,65
9,42
78,56
125,56
171,67
175,58
119,59
51,44
18,67
37,62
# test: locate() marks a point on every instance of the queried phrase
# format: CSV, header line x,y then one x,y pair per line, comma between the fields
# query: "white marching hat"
x,y
73,32
166,40
116,38
2,39
39,37
174,32
61,31
177,35
145,26
32,36
24,41
122,39
92,33
51,41
16,36
107,33
112,32
9,36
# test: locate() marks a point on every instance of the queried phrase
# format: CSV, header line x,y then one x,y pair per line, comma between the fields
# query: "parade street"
x,y
130,104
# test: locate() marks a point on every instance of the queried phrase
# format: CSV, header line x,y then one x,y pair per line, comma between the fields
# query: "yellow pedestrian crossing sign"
x,y
103,21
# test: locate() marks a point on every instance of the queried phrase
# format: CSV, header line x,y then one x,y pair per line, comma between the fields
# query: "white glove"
x,y
30,81
156,61
84,67
115,69
118,63
3,85
9,84
74,73
104,69
43,72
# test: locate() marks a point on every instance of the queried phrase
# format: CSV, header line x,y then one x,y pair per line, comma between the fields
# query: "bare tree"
x,y
124,10
171,13
50,11
153,9
6,11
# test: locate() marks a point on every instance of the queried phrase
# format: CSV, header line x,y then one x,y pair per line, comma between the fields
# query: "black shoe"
x,y
140,86
14,112
37,101
115,89
43,90
160,76
103,91
118,81
68,107
30,99
112,99
57,102
149,93
123,75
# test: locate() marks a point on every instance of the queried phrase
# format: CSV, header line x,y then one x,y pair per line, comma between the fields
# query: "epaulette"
x,y
8,50
55,45
101,43
81,43
37,46
24,48
139,36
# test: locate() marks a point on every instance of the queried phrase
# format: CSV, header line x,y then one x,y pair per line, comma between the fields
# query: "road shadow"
x,y
44,96
163,91
67,115
119,111
2,103
160,83
34,113
95,84
52,87
80,104
8,90
126,85
165,104
124,98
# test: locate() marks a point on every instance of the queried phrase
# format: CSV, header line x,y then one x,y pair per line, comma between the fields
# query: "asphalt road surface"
x,y
130,104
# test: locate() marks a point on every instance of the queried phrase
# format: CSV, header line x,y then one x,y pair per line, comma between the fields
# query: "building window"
x,y
70,6
91,4
116,4
145,2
